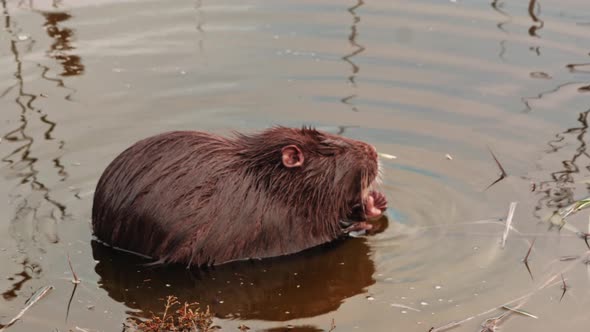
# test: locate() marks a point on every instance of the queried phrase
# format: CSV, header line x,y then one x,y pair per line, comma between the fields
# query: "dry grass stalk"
x,y
38,295
526,258
519,302
508,222
563,287
75,279
503,174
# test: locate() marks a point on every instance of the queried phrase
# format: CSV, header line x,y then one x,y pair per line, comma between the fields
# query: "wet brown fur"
x,y
200,199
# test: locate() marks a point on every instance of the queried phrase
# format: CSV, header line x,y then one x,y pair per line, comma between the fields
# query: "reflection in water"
x,y
559,191
307,284
200,22
61,43
342,129
21,160
29,270
498,7
575,67
534,5
538,24
527,100
357,49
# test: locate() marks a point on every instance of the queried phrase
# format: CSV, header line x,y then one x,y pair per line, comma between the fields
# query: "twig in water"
x,y
332,326
586,236
75,280
503,174
564,287
70,301
491,324
522,312
404,307
508,222
568,258
526,258
38,295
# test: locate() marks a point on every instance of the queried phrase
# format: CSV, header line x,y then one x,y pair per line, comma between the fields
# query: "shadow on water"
x,y
356,49
307,284
559,191
21,162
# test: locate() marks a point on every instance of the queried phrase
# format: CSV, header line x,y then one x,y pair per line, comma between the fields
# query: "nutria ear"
x,y
292,156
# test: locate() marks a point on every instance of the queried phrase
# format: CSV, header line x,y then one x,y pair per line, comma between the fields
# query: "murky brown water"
x,y
82,80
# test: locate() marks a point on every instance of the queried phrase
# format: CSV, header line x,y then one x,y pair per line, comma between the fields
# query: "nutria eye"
x,y
336,143
332,147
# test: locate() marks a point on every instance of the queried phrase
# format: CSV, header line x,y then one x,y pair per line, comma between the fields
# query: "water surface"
x,y
82,80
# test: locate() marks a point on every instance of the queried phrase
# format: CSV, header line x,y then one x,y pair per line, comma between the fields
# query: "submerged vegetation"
x,y
187,317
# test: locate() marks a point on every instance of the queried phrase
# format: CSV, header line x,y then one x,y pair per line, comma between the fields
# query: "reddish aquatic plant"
x,y
187,317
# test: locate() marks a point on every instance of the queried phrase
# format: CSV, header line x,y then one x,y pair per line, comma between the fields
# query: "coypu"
x,y
201,199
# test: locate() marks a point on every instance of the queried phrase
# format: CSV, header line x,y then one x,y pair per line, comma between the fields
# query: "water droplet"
x,y
423,303
370,298
437,287
23,37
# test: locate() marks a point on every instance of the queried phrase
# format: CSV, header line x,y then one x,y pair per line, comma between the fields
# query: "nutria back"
x,y
200,199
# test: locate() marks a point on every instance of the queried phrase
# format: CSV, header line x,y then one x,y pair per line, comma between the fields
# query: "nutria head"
x,y
306,167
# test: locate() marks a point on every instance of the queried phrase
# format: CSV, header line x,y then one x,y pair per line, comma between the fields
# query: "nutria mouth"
x,y
372,204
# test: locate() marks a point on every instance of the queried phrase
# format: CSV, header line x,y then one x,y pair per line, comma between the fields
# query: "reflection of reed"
x,y
527,100
61,43
559,190
200,22
21,160
497,6
357,49
538,23
575,67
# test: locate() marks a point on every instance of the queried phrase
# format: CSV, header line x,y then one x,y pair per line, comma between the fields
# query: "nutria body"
x,y
201,199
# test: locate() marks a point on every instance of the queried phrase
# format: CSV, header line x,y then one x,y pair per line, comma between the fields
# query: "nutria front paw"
x,y
379,200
